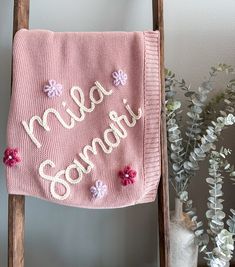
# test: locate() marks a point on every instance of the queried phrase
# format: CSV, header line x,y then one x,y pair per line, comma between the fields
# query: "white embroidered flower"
x,y
99,189
120,77
53,88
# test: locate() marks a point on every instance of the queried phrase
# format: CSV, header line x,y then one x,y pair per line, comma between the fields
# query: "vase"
x,y
183,251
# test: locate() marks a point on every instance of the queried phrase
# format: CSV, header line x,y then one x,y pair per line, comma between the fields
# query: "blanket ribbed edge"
x,y
152,109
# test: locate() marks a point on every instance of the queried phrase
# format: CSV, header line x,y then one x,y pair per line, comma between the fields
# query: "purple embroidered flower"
x,y
127,176
120,77
53,89
11,157
99,189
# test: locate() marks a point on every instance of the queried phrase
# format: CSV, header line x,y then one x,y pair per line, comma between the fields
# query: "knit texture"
x,y
84,118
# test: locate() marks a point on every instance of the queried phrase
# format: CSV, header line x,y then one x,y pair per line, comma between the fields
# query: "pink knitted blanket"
x,y
84,121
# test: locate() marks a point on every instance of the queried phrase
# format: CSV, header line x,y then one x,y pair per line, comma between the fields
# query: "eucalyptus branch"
x,y
205,123
217,166
206,144
197,102
224,100
220,239
231,222
183,167
175,144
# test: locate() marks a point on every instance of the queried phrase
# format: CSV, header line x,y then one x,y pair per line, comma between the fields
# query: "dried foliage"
x,y
189,145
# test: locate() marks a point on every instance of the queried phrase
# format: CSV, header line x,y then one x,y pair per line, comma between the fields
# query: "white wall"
x,y
198,34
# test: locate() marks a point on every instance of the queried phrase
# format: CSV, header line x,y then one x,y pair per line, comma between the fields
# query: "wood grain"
x,y
21,15
16,231
16,203
163,193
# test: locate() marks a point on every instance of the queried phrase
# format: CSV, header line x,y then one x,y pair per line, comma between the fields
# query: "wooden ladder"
x,y
16,203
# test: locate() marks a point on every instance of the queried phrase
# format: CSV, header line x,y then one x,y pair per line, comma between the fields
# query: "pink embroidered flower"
x,y
120,77
11,157
127,176
99,189
53,89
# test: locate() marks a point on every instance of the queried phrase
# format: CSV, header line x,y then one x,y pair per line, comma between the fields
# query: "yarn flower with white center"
x,y
11,157
53,88
127,176
120,77
98,190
